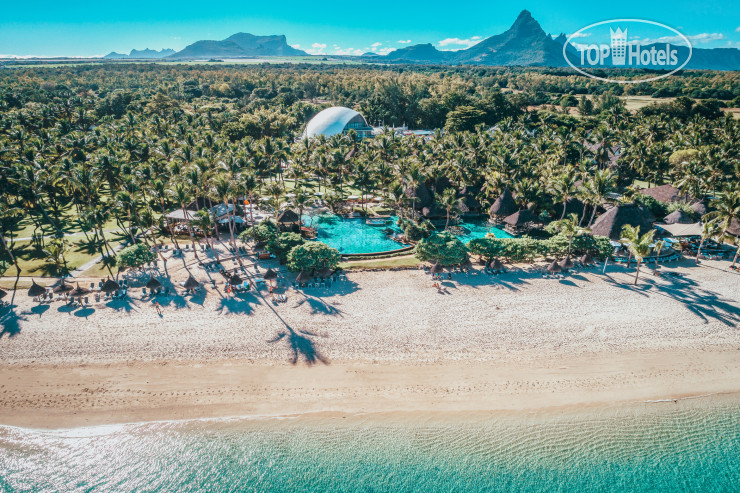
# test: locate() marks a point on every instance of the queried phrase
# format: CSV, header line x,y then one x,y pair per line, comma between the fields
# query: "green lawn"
x,y
406,261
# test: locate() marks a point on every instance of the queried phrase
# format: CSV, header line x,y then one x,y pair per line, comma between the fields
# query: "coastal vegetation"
x,y
97,156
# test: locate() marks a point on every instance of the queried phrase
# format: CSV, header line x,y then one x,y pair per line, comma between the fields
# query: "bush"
x,y
445,248
313,255
135,256
527,249
658,208
280,247
264,232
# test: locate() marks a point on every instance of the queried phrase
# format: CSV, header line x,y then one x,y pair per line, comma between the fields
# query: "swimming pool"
x,y
479,228
356,235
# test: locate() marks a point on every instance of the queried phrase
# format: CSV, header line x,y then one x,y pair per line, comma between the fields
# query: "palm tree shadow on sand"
x,y
701,302
302,346
9,321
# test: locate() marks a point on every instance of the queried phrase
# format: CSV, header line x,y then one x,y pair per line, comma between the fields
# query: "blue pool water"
x,y
355,235
666,447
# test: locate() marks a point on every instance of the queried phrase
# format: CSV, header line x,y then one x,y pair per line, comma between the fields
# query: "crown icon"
x,y
619,45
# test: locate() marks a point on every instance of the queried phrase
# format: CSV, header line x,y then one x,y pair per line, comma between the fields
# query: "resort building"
x,y
337,120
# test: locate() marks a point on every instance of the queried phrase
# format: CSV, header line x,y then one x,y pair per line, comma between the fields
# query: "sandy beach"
x,y
377,342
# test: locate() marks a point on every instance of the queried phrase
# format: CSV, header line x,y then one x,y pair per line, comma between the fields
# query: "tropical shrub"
x,y
444,247
282,245
313,255
135,256
264,232
527,249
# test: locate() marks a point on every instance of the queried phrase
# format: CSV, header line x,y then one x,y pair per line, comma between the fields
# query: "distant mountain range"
x,y
525,43
139,54
239,45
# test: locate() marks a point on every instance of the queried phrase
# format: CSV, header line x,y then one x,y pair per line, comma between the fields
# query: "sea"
x,y
688,445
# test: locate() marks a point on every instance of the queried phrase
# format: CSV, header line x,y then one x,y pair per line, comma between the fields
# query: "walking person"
x,y
158,308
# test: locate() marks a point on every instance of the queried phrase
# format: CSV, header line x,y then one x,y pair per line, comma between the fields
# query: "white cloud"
x,y
376,44
578,35
737,30
459,44
317,49
403,41
384,51
347,51
296,46
695,39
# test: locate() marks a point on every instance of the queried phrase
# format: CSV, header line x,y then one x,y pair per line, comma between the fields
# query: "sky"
x,y
72,28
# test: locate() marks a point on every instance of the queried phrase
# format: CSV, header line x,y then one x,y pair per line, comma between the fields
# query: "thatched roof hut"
x,y
270,275
505,205
496,264
734,228
611,222
191,283
235,280
36,290
110,286
437,268
678,217
153,283
520,218
699,208
288,217
665,194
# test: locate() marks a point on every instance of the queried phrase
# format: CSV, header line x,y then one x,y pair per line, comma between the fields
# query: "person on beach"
x,y
158,308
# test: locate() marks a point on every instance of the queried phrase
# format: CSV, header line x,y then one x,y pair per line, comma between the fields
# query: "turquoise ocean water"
x,y
684,446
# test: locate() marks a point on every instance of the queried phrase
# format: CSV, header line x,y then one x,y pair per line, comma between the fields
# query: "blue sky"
x,y
72,28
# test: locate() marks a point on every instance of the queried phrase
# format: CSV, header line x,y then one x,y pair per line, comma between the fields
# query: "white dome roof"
x,y
331,121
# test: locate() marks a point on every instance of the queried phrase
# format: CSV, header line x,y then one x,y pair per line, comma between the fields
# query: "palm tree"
x,y
301,200
563,187
659,245
569,227
710,230
449,202
181,195
638,245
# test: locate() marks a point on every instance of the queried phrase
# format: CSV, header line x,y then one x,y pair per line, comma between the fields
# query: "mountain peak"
x,y
527,24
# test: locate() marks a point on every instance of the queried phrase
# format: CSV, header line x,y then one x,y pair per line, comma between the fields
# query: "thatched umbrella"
x,y
110,286
520,218
567,263
270,275
153,283
36,290
324,273
554,267
304,276
191,283
235,280
437,268
2,294
79,291
587,259
260,245
496,264
63,287
467,264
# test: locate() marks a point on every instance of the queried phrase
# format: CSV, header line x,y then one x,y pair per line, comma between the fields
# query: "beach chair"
x,y
87,301
97,297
